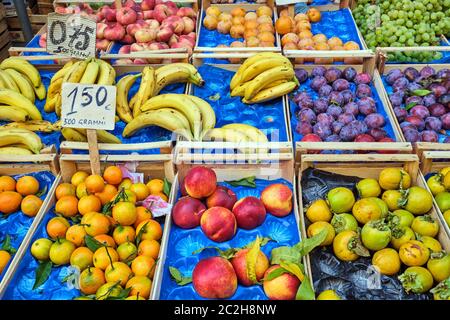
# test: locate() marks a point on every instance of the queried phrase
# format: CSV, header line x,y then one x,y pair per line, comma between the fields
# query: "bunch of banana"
x,y
184,114
263,77
80,135
17,141
34,125
21,76
152,82
16,107
89,71
239,133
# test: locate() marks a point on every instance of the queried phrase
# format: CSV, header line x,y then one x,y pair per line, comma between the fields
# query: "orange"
x,y
125,184
140,286
122,234
142,214
305,34
124,213
30,205
151,230
104,256
264,11
250,25
5,256
127,252
266,37
113,175
238,12
76,234
143,266
284,25
106,240
57,227
140,190
320,37
67,206
97,224
162,196
65,189
9,202
128,196
248,33
313,15
155,186
27,185
94,183
81,258
335,42
86,217
7,184
149,248
107,194
90,280
78,178
266,27
118,271
351,45
81,190
88,204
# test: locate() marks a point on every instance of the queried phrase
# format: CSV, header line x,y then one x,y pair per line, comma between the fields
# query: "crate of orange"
x,y
100,235
25,190
241,27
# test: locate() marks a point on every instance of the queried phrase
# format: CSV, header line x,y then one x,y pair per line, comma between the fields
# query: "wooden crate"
x,y
45,7
227,8
202,151
284,170
305,147
37,22
13,165
368,166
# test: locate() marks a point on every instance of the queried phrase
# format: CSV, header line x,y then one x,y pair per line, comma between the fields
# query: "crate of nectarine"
x,y
234,233
248,27
25,190
100,235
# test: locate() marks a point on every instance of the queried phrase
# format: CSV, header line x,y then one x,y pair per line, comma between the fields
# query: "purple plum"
x,y
378,133
413,99
427,72
348,96
341,85
446,121
416,121
443,74
400,113
351,107
366,106
304,128
332,74
349,73
436,109
301,75
318,71
346,118
322,130
363,78
325,90
438,89
321,105
445,100
318,82
433,123
333,138
363,90
396,99
420,111
337,126
429,136
334,111
393,75
411,135
429,99
411,73
325,118
336,98
375,120
400,84
307,115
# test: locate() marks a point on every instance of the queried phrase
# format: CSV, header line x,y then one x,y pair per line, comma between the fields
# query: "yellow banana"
x,y
22,82
269,76
24,67
274,84
54,88
225,135
33,125
263,65
186,126
10,113
123,86
90,73
239,91
40,92
58,105
107,74
15,151
8,82
20,136
77,72
62,72
208,114
146,89
12,98
73,135
132,102
272,93
176,73
181,103
166,119
254,134
103,136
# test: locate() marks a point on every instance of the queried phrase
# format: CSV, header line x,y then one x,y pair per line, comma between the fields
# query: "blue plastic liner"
x,y
21,286
314,95
390,90
34,43
17,224
269,116
182,243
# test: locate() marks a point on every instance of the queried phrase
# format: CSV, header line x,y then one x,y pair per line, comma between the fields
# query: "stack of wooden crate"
x,y
5,39
45,6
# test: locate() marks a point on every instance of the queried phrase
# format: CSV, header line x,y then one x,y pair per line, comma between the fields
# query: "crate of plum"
x,y
231,227
420,100
342,105
377,247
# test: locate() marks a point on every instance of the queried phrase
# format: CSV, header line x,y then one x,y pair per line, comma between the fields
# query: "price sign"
x,y
72,35
88,106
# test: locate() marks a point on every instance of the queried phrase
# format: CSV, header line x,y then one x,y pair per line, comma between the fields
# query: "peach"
x,y
277,198
306,44
250,33
224,16
218,224
320,37
239,263
237,31
238,20
163,34
43,40
100,30
266,27
289,37
210,22
222,196
183,188
249,212
173,39
126,16
305,34
224,26
334,42
187,12
238,12
266,37
114,32
303,25
266,44
128,39
290,46
251,16
149,14
214,278
252,42
161,12
213,11
284,13
186,213
264,19
313,15
189,25
126,49
147,4
102,44
301,17
250,25
264,11
200,182
351,45
284,25
145,35
283,287
176,23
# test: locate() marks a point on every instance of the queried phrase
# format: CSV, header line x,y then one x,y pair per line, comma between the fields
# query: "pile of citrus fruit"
x,y
19,195
102,230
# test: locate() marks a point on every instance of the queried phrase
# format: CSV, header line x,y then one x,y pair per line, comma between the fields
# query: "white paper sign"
x,y
72,35
88,106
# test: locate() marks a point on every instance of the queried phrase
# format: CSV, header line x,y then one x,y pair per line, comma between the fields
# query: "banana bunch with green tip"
x,y
152,82
80,135
263,77
18,141
187,115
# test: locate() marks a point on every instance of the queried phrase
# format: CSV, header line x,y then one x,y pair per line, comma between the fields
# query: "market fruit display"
x,y
336,105
421,102
112,238
403,23
263,77
398,241
256,28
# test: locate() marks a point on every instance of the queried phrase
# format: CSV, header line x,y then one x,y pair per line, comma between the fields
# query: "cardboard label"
x,y
88,106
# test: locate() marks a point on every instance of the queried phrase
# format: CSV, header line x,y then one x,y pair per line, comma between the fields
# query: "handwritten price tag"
x,y
88,106
72,35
